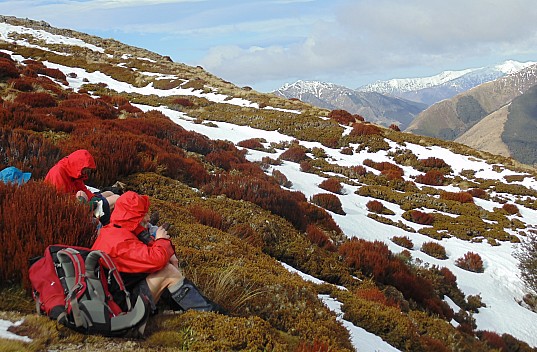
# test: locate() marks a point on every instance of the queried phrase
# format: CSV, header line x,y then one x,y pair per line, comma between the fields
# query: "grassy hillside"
x,y
233,223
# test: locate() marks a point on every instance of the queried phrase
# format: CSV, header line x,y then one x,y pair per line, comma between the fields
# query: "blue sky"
x,y
264,44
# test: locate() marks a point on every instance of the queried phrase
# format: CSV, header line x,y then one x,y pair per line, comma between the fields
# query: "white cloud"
x,y
341,41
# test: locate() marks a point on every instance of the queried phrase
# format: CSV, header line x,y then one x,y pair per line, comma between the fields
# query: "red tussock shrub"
x,y
375,206
225,159
8,69
295,153
259,190
392,174
346,151
431,178
23,84
318,237
403,241
510,208
208,217
29,223
434,249
316,346
39,153
471,262
183,102
252,143
332,185
462,197
341,116
493,340
374,294
449,278
394,127
305,166
478,193
374,259
281,179
432,344
329,202
35,100
364,129
421,218
383,166
433,163
246,233
358,170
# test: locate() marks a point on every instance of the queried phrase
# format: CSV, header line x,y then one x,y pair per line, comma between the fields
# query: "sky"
x,y
499,285
264,44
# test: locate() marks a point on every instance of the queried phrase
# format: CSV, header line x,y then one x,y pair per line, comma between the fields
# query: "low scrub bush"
x,y
431,178
295,153
208,217
394,127
511,209
364,129
403,241
433,163
341,116
8,69
462,197
470,261
421,218
392,175
434,249
329,202
375,206
252,143
281,179
35,100
318,237
35,215
478,193
305,166
332,185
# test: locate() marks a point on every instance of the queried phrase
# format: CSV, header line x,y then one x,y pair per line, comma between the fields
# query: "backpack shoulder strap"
x,y
92,263
72,263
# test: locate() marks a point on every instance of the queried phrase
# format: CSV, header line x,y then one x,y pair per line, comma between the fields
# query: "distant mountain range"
x,y
396,101
445,85
373,106
499,117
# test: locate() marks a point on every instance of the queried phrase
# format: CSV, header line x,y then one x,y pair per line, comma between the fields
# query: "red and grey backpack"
x,y
70,285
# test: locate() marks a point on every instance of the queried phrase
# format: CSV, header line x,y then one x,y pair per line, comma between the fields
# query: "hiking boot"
x,y
189,297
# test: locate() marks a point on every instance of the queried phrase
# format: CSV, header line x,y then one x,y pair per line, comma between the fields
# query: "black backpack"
x,y
70,285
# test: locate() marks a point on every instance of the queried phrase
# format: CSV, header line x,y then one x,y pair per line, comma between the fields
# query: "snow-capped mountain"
x,y
374,107
445,85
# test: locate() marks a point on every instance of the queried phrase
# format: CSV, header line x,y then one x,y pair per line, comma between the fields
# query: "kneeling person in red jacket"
x,y
150,266
69,174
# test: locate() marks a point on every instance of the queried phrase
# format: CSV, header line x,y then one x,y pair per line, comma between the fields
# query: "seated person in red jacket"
x,y
148,266
69,174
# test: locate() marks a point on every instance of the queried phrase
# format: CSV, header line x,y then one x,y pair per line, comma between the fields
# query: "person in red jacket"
x,y
148,266
69,174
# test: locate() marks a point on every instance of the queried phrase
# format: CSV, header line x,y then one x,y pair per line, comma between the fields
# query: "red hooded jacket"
x,y
67,175
119,238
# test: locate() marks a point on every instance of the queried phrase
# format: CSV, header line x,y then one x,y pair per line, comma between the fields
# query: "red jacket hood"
x,y
75,162
130,210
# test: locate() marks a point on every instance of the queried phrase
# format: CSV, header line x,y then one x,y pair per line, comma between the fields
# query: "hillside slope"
x,y
451,118
377,222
